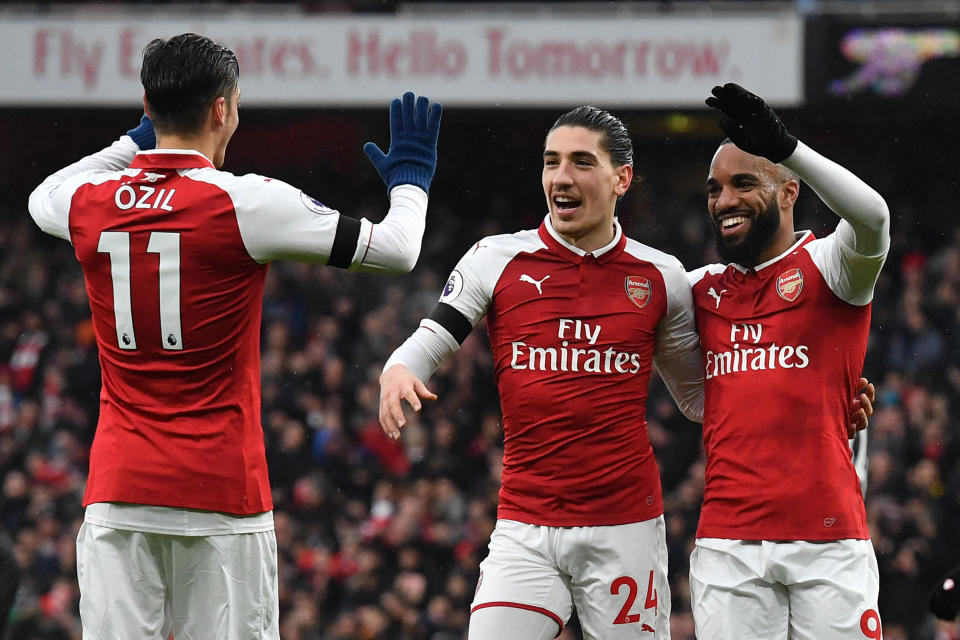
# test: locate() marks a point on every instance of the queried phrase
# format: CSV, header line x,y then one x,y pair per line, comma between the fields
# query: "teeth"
x,y
732,221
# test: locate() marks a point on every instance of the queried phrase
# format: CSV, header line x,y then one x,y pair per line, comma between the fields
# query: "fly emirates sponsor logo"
x,y
582,358
747,355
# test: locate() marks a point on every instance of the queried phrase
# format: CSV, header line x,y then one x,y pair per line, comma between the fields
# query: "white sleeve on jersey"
x,y
280,222
469,290
425,350
851,257
863,209
677,351
49,205
683,377
393,245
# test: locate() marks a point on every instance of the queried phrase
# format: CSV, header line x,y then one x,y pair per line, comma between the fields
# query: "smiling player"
x,y
783,549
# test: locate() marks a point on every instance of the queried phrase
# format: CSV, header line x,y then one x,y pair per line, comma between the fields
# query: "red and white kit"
x,y
174,253
783,346
573,336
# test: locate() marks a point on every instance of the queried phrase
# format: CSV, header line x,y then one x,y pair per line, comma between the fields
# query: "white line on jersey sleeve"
x,y
49,204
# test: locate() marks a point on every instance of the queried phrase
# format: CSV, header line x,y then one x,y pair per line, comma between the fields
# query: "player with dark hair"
x,y
782,547
577,313
178,529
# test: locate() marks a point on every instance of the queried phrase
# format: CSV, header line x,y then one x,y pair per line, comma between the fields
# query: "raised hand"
x,y
412,156
751,123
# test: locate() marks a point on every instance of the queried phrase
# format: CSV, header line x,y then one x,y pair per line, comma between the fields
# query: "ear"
x,y
219,111
146,108
624,179
787,194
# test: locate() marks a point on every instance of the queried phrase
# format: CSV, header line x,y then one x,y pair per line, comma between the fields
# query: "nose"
x,y
562,176
726,198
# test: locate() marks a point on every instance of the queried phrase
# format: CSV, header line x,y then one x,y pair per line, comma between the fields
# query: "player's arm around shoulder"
x,y
49,204
677,352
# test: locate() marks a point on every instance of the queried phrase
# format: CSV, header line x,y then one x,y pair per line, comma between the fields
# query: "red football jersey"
x,y
783,347
174,253
573,336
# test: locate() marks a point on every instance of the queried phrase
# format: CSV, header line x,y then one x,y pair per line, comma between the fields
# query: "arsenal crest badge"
x,y
638,290
789,284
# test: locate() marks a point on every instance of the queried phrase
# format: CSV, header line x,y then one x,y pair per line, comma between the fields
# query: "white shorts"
x,y
616,576
753,590
143,585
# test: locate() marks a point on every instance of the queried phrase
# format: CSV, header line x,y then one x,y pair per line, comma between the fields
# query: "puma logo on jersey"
x,y
536,283
716,295
646,627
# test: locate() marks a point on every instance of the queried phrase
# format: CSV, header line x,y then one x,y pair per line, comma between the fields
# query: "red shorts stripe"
x,y
528,607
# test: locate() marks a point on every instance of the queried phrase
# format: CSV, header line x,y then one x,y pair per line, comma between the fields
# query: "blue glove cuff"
x,y
411,174
143,134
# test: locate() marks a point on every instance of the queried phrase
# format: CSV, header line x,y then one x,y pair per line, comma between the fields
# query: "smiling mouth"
x,y
731,224
565,204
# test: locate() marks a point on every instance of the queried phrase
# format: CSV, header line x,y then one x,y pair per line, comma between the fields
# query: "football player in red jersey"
x,y
178,530
782,546
577,313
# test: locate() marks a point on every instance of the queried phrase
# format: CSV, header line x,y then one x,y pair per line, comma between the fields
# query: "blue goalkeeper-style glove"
x,y
412,157
143,134
751,123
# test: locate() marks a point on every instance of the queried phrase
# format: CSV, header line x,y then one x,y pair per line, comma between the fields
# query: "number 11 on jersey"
x,y
167,246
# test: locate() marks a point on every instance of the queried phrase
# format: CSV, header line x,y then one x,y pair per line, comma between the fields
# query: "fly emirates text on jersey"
x,y
567,358
754,358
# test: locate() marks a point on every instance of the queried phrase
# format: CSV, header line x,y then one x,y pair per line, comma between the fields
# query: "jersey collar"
x,y
605,253
170,159
802,238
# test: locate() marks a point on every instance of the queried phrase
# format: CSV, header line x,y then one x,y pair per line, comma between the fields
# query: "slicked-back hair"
x,y
182,77
614,138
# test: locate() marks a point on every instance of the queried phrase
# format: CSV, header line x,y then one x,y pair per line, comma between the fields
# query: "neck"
x,y
782,241
591,240
205,144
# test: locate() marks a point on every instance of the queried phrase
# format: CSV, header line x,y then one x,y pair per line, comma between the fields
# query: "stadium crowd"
x,y
380,540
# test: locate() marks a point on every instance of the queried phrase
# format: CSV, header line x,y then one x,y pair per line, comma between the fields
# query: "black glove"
x,y
751,123
945,600
143,134
412,157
